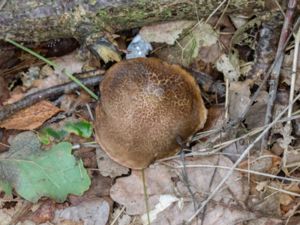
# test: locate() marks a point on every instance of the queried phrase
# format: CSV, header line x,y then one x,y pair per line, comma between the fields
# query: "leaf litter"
x,y
261,190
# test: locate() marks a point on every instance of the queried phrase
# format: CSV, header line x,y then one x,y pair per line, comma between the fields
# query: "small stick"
x,y
276,70
51,92
146,196
294,71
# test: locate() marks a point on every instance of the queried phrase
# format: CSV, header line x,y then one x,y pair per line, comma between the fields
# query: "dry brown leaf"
x,y
4,92
107,167
265,221
280,128
91,212
257,112
285,72
265,163
169,198
215,120
239,98
8,213
202,36
50,77
32,117
165,32
229,66
44,212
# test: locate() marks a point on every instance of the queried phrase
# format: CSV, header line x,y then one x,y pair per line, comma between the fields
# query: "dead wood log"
x,y
41,20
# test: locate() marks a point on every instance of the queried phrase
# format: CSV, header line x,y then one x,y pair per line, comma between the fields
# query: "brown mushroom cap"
x,y
145,104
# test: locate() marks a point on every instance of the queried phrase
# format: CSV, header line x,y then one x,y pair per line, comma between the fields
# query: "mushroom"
x,y
145,105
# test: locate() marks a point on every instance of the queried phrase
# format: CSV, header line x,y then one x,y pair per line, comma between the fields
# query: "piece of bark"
x,y
40,20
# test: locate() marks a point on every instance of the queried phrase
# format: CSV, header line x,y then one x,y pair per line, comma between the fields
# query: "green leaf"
x,y
47,133
82,128
35,173
6,187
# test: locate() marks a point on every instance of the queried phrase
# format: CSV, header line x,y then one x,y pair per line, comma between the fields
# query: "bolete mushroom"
x,y
145,105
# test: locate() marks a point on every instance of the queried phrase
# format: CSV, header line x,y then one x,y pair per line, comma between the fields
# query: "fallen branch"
x,y
49,93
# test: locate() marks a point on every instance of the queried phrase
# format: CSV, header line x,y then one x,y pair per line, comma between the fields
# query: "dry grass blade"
x,y
242,170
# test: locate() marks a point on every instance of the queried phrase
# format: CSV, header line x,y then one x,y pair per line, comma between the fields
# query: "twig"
x,y
118,216
211,150
216,9
245,153
51,92
146,196
276,70
209,186
294,71
185,177
242,170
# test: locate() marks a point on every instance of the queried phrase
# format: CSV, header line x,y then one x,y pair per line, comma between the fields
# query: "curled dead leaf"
x,y
32,117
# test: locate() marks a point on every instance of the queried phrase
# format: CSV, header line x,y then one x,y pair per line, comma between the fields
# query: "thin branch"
x,y
242,170
51,92
294,71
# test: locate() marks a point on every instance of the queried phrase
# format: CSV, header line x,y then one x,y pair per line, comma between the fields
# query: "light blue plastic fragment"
x,y
138,47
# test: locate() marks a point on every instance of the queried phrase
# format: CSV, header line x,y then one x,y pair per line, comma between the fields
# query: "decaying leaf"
x,y
35,173
107,167
165,32
283,129
266,162
32,117
239,98
91,212
265,221
257,112
285,72
170,200
229,66
201,36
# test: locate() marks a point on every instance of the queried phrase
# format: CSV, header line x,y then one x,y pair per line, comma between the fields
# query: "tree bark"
x,y
41,20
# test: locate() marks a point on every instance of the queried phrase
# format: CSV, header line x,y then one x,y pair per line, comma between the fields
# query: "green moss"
x,y
166,13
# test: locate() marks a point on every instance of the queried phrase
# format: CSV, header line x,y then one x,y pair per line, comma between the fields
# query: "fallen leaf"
x,y
93,212
31,117
170,200
107,167
285,72
284,130
257,112
5,218
201,36
165,32
215,120
35,173
44,212
265,221
229,66
100,187
265,162
105,50
239,98
4,92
